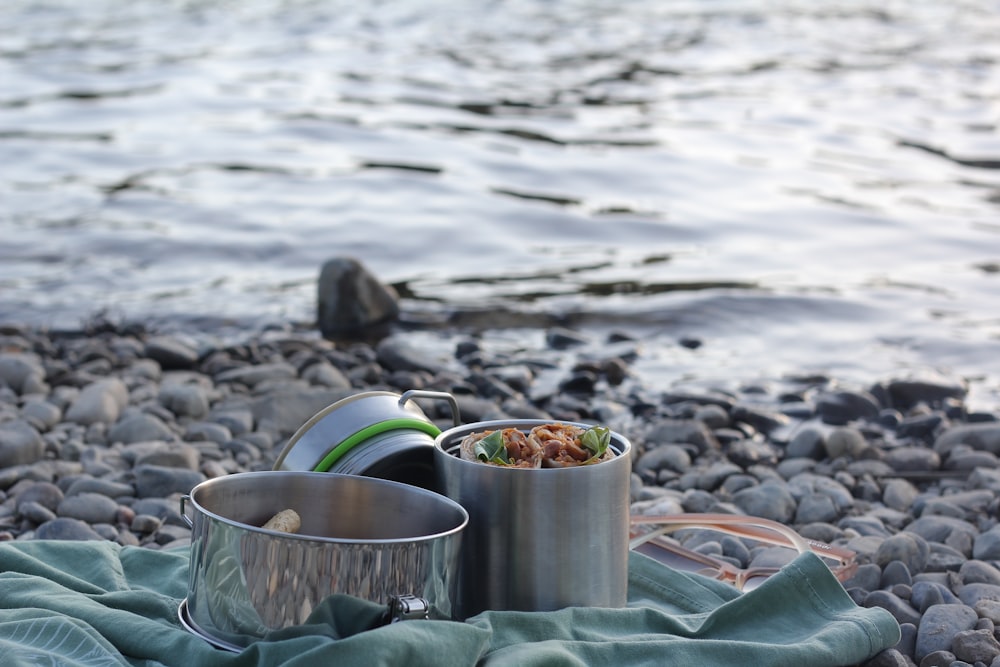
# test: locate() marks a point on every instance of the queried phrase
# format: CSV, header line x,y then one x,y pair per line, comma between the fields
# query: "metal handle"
x,y
442,395
184,515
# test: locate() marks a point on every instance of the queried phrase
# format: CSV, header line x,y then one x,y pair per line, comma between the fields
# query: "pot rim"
x,y
374,481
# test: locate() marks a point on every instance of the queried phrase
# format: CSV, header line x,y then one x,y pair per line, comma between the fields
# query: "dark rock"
x,y
66,529
351,301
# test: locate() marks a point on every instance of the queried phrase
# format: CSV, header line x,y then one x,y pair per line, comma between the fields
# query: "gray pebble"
x,y
185,400
171,353
176,455
153,481
986,546
140,428
970,594
899,494
984,436
910,459
975,646
816,508
23,373
253,375
20,443
41,414
109,488
807,443
844,441
979,572
896,572
102,401
46,494
35,512
908,548
899,608
64,528
90,507
939,625
770,500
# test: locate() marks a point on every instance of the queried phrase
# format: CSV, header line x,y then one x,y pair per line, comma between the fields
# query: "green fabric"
x,y
95,603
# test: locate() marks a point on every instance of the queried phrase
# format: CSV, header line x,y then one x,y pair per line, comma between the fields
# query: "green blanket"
x,y
97,604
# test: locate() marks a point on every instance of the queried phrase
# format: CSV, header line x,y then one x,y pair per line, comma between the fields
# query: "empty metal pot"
x,y
364,537
538,539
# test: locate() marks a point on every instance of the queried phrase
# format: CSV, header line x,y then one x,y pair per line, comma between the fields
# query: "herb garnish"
x,y
596,439
491,449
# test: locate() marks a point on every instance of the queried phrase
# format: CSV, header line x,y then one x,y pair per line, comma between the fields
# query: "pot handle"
x,y
442,395
184,516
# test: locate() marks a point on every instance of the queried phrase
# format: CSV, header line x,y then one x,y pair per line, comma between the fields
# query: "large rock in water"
x,y
351,301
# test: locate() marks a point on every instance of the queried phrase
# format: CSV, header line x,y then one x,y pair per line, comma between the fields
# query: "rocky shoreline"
x,y
102,430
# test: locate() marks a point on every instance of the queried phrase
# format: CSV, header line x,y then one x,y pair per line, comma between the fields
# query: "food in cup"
x,y
555,445
285,521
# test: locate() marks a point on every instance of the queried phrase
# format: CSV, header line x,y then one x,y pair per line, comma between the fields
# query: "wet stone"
x,y
975,646
65,528
90,507
939,625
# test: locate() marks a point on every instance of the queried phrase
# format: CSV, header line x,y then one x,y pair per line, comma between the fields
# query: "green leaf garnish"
x,y
491,449
596,439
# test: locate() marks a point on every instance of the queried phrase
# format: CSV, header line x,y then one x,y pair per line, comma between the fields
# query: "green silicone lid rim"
x,y
348,444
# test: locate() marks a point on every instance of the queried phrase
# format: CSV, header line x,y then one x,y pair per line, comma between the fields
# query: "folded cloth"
x,y
99,604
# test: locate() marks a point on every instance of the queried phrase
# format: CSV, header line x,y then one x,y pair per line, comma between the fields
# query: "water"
x,y
797,185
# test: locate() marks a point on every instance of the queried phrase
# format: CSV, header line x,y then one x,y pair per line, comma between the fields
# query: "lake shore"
x,y
102,429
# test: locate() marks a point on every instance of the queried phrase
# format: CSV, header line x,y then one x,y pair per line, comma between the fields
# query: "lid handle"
x,y
441,395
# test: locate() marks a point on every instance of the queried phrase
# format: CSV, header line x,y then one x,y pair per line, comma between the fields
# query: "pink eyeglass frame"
x,y
648,535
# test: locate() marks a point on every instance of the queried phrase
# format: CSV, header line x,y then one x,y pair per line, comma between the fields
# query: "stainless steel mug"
x,y
538,539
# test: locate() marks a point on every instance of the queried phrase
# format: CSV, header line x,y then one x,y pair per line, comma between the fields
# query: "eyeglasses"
x,y
648,535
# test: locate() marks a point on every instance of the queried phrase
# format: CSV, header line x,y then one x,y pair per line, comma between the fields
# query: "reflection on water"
x,y
793,183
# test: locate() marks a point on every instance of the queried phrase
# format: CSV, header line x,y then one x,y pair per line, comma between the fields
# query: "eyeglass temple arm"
x,y
762,530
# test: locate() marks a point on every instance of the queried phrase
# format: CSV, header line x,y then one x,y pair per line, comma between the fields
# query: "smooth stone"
x,y
807,443
941,658
984,436
899,494
20,443
769,500
167,510
283,411
105,487
924,595
99,402
327,375
185,400
253,375
913,459
66,528
669,456
979,572
843,407
682,431
939,625
140,427
20,371
145,524
988,609
890,657
212,431
844,441
816,508
908,548
896,572
906,393
35,512
907,638
970,594
351,300
160,481
90,507
41,413
46,494
176,455
986,546
712,477
898,607
171,353
941,528
975,646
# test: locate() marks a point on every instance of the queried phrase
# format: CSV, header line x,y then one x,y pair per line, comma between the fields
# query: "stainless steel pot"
x,y
369,538
374,433
538,539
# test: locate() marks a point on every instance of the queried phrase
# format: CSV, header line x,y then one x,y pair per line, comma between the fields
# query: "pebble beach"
x,y
103,429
